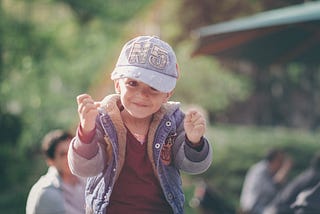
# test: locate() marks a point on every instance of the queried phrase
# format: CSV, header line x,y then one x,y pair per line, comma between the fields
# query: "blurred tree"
x,y
113,10
1,40
44,45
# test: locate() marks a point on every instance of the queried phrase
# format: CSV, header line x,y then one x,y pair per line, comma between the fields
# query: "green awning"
x,y
278,36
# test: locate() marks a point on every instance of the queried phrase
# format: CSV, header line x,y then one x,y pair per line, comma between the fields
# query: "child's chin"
x,y
141,114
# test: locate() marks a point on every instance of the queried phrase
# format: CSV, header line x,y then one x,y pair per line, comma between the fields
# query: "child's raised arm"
x,y
88,111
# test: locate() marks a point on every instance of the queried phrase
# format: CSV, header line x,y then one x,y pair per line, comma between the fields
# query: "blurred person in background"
x,y
306,180
263,181
58,191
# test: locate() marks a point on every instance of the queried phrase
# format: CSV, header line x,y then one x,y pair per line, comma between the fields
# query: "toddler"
x,y
133,144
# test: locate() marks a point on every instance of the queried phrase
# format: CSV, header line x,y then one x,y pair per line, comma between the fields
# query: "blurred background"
x,y
53,50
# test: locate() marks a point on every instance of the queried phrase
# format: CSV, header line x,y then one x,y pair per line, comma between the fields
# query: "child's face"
x,y
138,98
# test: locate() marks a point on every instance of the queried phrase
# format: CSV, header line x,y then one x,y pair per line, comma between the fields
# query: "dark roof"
x,y
277,36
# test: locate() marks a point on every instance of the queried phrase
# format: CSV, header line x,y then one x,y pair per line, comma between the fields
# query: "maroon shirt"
x,y
137,190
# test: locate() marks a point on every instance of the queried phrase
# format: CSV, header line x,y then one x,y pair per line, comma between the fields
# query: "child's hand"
x,y
88,111
194,126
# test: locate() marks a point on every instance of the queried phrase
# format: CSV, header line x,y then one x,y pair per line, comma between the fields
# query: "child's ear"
x,y
168,95
117,86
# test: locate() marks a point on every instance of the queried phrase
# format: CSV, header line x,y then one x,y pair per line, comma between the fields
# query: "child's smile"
x,y
138,98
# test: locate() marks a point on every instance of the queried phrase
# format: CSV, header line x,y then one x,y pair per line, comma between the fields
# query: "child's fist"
x,y
194,126
88,111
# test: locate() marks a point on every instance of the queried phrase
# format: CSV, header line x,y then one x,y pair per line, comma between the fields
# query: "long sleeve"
x,y
87,159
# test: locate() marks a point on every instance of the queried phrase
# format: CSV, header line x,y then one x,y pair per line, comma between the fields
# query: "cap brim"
x,y
159,81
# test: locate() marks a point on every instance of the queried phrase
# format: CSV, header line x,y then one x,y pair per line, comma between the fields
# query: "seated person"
x,y
58,191
306,180
263,181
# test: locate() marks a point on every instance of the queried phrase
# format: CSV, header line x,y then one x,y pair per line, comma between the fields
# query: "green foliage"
x,y
20,173
205,82
295,73
115,10
49,59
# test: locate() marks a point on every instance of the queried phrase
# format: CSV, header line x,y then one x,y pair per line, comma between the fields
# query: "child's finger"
x,y
190,115
84,98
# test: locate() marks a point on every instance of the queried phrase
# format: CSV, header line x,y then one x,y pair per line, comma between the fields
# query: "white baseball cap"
x,y
149,60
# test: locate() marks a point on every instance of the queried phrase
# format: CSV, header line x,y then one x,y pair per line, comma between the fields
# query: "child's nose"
x,y
144,92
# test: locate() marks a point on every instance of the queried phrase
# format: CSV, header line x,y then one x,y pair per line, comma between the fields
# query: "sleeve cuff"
x,y
198,146
85,138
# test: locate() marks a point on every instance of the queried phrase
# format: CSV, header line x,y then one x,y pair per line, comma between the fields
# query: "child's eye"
x,y
132,83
